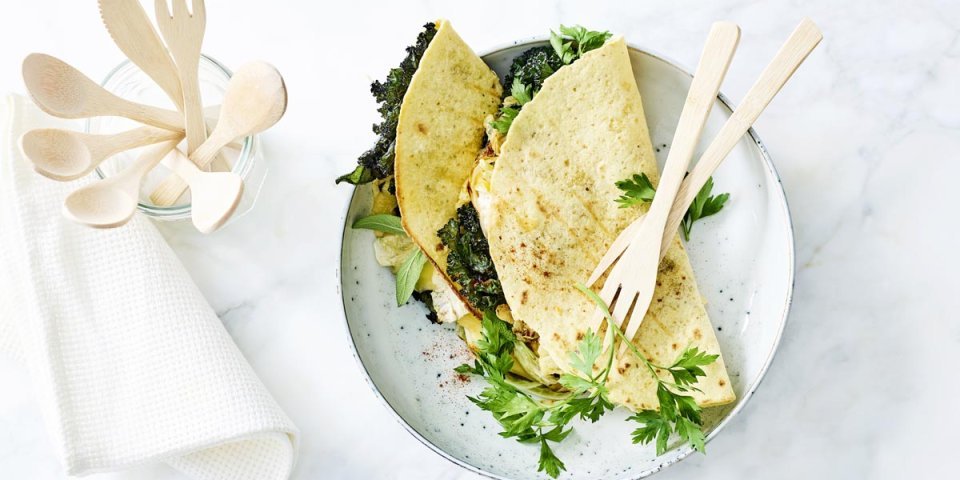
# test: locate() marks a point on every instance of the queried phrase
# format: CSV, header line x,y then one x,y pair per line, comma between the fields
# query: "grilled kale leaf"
x,y
469,263
533,67
378,161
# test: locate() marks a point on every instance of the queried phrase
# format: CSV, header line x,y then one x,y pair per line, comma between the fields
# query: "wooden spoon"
x,y
215,195
66,155
62,91
111,202
256,98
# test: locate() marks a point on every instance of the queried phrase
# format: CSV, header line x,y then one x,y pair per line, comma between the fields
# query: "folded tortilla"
x,y
439,132
552,214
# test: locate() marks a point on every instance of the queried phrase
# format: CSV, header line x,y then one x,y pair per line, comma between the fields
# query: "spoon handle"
x,y
205,154
137,137
196,124
182,166
171,189
149,159
157,117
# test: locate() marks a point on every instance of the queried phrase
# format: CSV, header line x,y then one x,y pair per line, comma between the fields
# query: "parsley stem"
x,y
612,325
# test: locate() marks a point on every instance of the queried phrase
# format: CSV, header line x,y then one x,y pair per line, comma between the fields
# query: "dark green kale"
x,y
426,298
378,161
469,263
533,67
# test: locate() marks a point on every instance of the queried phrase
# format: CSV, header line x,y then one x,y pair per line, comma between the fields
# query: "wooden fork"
x,y
714,61
627,282
183,32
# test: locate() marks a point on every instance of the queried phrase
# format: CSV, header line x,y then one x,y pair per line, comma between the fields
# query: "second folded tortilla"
x,y
553,214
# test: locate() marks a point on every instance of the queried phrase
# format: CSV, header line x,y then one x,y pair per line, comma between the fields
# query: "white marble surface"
x,y
866,140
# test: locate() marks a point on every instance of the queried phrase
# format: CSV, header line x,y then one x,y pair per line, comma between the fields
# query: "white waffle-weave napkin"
x,y
129,362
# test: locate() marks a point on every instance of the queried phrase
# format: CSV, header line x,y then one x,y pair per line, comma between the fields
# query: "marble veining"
x,y
865,140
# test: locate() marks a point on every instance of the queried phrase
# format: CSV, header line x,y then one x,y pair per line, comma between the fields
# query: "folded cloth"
x,y
130,364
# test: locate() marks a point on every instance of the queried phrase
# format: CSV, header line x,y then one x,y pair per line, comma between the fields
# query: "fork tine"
x,y
609,294
616,249
636,318
624,302
180,9
199,9
162,10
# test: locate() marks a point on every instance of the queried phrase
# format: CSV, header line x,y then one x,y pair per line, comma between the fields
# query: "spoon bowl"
x,y
111,202
216,195
56,87
58,154
255,100
107,206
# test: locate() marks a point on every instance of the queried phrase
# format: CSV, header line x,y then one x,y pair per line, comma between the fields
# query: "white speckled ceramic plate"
x,y
743,257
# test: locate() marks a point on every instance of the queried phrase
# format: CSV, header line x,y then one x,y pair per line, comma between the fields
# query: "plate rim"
x,y
686,450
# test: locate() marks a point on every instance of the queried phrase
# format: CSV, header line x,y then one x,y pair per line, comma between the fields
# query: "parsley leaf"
x,y
686,369
638,189
549,462
382,223
587,354
573,42
704,205
690,432
563,49
520,92
505,119
408,274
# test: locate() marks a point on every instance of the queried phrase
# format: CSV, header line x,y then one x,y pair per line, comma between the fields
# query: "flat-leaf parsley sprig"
x,y
530,419
573,42
678,412
638,189
525,417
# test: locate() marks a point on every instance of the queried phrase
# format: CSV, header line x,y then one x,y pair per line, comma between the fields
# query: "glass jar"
x,y
243,156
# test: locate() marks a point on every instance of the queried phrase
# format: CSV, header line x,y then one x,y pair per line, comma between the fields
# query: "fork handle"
x,y
196,125
714,61
802,41
717,53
